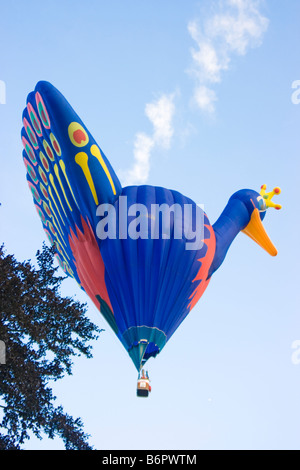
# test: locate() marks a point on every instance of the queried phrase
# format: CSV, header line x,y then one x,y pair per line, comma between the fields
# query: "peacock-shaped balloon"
x,y
143,254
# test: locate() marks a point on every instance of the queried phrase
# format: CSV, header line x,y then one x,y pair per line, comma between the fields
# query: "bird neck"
x,y
233,219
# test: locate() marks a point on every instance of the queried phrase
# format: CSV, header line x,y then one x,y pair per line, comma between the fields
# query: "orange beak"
x,y
257,232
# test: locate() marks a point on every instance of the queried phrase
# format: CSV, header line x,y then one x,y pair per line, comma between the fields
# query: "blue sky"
x,y
195,96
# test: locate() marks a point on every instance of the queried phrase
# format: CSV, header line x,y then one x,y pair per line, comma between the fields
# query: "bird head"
x,y
256,205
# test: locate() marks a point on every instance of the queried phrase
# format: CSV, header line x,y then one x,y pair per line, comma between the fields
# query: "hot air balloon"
x,y
143,254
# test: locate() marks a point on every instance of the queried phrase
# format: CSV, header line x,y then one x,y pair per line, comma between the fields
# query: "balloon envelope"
x,y
141,253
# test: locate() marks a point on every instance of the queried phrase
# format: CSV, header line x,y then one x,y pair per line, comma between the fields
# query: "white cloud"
x,y
139,173
237,26
160,113
205,98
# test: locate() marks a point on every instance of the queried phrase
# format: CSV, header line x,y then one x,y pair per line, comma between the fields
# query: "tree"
x,y
42,332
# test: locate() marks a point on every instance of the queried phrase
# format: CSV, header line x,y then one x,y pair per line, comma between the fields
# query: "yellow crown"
x,y
268,196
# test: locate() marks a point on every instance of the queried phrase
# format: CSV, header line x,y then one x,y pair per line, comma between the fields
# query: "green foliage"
x,y
42,332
